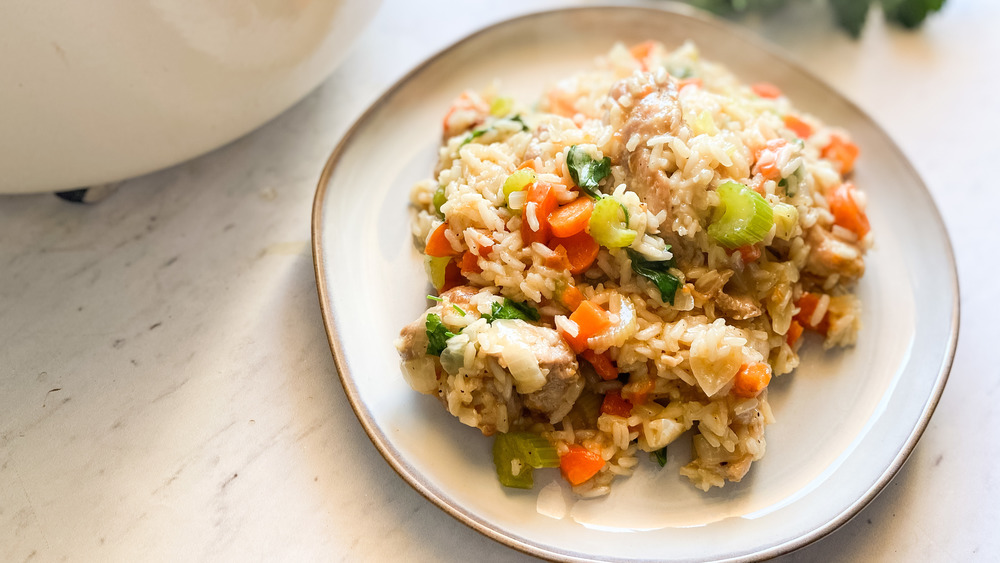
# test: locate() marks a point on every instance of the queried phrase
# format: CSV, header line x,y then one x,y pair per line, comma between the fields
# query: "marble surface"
x,y
166,388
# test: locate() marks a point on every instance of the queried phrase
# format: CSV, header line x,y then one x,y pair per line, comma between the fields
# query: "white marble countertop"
x,y
166,388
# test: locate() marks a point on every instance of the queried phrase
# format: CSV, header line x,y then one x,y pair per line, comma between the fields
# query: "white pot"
x,y
102,90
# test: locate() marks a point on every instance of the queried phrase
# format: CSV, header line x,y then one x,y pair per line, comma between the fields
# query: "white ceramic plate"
x,y
846,420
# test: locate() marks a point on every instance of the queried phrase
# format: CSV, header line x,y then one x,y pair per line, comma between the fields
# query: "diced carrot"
x,y
452,276
571,297
602,364
544,199
807,306
579,464
688,82
469,264
749,252
799,127
558,260
846,212
581,250
484,250
841,151
571,218
438,245
767,159
640,51
638,391
766,90
751,379
590,319
614,404
529,164
794,333
561,102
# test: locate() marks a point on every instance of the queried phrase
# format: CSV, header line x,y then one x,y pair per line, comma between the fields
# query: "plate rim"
x,y
407,472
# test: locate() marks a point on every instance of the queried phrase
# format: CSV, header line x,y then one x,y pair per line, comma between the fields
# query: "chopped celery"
x,y
501,106
609,224
516,454
435,268
439,200
518,181
742,217
785,218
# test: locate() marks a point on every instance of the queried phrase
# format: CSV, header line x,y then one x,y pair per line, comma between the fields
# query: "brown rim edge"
x,y
406,472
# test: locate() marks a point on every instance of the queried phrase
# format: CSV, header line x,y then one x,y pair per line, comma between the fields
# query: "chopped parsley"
x,y
656,272
437,335
512,310
661,456
587,172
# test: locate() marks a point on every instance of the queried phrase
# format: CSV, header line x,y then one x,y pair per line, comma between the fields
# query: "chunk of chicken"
x,y
654,111
737,307
412,343
479,398
830,255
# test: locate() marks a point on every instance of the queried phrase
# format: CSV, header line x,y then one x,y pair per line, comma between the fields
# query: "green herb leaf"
x,y
910,13
475,134
657,273
512,310
458,309
851,14
587,172
435,298
661,456
437,335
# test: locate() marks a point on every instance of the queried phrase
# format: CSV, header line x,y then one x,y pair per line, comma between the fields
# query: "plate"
x,y
846,420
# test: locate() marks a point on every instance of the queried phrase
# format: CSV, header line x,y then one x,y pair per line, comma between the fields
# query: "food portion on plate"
x,y
632,257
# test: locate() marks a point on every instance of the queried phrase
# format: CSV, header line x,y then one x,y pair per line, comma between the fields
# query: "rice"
x,y
700,312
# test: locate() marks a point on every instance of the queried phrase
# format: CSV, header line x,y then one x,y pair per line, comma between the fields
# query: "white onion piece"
x,y
618,333
419,373
552,501
453,356
523,367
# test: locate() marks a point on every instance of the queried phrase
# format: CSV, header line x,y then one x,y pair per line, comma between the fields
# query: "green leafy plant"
x,y
850,14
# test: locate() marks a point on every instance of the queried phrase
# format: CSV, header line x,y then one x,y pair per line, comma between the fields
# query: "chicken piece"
x,y
543,368
654,111
557,362
714,465
830,255
737,307
412,343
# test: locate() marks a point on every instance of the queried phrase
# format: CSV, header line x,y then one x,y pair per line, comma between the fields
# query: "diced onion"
x,y
453,355
785,218
618,333
552,501
419,373
523,367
